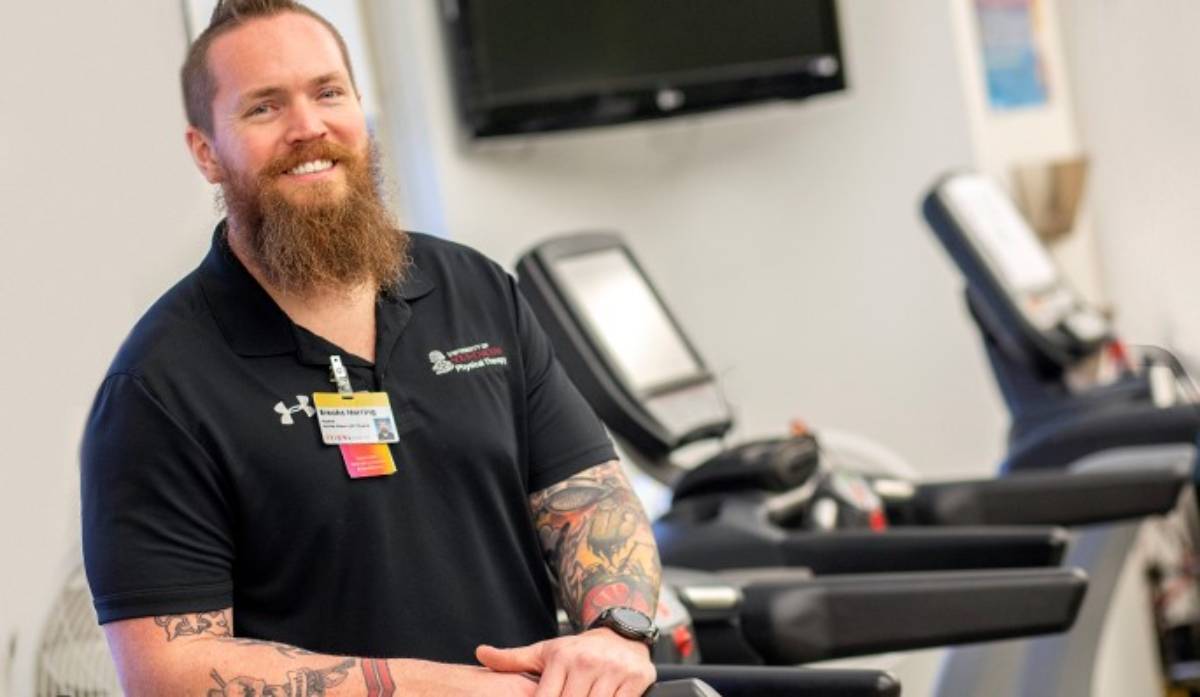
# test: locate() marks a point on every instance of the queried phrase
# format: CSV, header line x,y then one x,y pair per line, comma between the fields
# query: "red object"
x,y
685,643
1119,354
797,427
878,520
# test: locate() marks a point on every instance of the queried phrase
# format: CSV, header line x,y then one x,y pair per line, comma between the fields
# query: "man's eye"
x,y
331,93
259,110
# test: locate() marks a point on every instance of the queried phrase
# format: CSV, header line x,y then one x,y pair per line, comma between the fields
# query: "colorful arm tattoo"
x,y
598,541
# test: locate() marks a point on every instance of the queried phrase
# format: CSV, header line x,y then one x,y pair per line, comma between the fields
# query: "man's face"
x,y
291,152
285,114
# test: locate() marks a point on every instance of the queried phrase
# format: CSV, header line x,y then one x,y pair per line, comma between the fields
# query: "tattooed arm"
x,y
598,542
197,654
597,538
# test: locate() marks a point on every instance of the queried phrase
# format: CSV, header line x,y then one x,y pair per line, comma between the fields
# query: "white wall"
x,y
785,237
102,210
1134,69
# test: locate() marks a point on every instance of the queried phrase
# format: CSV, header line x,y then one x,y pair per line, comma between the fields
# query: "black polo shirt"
x,y
205,483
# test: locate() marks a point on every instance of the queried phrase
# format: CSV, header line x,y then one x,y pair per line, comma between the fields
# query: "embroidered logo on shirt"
x,y
285,412
467,358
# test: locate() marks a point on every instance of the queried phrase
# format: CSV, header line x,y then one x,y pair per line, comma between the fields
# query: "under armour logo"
x,y
285,412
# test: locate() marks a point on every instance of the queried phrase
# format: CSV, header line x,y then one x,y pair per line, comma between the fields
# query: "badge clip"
x,y
339,376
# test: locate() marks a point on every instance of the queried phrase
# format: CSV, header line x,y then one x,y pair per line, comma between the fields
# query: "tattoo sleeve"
x,y
598,541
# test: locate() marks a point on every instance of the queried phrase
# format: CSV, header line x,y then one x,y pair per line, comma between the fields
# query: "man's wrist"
x,y
628,623
609,634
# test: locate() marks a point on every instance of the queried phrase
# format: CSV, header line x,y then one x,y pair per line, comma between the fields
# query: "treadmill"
x,y
629,357
631,360
1045,344
1039,332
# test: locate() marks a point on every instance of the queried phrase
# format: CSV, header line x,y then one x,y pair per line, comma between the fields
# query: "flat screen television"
x,y
527,67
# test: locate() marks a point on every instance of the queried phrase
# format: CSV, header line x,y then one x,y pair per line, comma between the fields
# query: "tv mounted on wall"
x,y
527,67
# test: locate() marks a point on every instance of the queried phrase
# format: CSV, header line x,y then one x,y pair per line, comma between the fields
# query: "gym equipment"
x,y
770,502
787,616
758,681
1047,346
631,360
1076,395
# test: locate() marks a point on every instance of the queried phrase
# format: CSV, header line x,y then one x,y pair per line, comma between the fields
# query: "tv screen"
x,y
525,67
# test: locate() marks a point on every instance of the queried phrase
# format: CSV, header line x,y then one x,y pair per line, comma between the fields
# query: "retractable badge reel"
x,y
361,424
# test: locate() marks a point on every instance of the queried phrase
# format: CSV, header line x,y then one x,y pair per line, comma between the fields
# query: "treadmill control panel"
x,y
994,228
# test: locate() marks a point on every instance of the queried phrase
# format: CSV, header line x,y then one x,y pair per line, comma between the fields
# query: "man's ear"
x,y
205,155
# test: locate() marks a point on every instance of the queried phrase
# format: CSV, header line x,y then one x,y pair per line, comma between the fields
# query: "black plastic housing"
x,y
1046,499
758,681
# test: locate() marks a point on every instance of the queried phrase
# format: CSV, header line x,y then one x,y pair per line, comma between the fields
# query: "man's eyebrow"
x,y
261,93
276,91
328,78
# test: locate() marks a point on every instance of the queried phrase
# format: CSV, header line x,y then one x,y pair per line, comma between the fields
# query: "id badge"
x,y
363,418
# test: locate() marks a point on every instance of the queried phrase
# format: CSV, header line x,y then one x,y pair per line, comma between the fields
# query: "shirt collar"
x,y
249,318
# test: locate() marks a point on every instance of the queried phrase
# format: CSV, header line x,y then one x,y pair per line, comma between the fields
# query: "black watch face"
x,y
631,618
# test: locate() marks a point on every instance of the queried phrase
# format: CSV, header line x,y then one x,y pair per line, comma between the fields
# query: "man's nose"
x,y
305,123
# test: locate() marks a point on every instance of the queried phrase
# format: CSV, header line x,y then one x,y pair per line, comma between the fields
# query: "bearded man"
x,y
241,533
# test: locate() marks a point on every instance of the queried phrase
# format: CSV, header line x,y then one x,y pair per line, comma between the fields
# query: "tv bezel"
x,y
693,92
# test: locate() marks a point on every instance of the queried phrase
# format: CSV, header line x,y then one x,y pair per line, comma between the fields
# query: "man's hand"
x,y
596,663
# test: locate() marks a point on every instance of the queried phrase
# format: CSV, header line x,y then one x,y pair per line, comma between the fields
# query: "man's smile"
x,y
312,169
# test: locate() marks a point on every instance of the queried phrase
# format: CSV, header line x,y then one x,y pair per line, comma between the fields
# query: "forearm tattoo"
x,y
378,678
196,623
286,650
598,540
301,682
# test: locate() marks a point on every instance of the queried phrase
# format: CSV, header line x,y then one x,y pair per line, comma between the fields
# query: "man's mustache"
x,y
307,152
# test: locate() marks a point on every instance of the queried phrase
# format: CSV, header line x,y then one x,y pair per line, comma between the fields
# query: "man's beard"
x,y
319,243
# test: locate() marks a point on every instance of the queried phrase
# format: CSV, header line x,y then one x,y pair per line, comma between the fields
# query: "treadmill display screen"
x,y
999,231
626,319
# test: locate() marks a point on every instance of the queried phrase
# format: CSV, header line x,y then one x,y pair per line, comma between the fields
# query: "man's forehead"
x,y
274,51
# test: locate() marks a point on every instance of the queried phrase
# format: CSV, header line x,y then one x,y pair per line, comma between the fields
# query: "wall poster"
x,y
1014,68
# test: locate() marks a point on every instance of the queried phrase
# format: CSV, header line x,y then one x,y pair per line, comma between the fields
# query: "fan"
x,y
73,657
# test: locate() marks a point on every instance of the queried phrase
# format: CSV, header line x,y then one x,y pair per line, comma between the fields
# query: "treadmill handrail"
x,y
770,681
800,621
720,533
1051,498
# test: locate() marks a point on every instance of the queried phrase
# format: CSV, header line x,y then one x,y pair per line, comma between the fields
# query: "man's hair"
x,y
199,84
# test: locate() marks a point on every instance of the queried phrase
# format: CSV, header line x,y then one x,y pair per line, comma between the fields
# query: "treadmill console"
x,y
1013,283
620,345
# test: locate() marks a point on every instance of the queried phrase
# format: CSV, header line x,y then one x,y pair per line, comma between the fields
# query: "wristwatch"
x,y
629,623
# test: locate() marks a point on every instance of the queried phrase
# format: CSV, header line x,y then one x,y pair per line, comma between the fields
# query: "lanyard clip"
x,y
339,376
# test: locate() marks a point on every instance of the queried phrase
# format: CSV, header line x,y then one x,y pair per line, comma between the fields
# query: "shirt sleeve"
x,y
565,436
156,521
